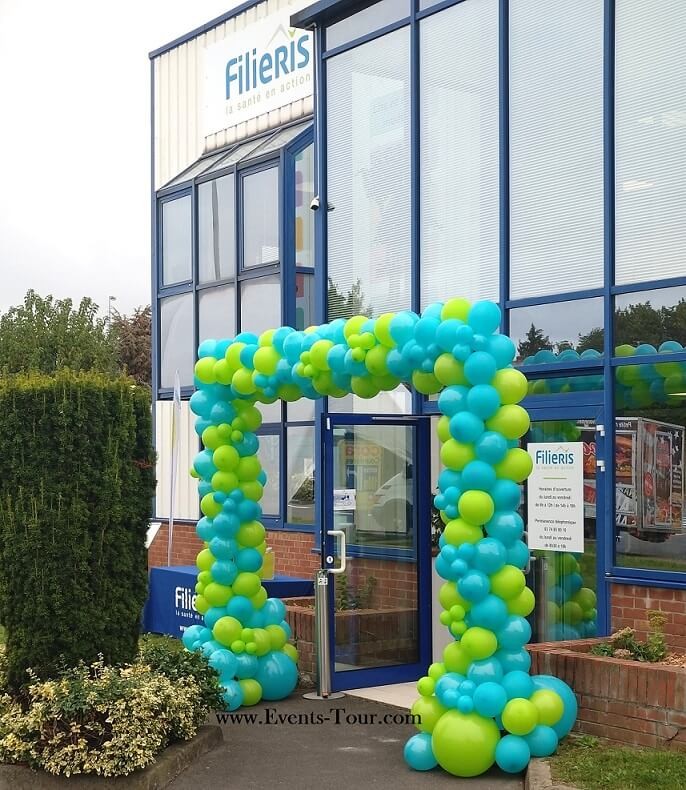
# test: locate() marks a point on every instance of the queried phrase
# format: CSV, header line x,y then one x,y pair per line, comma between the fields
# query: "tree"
x,y
533,341
131,336
346,305
44,335
593,339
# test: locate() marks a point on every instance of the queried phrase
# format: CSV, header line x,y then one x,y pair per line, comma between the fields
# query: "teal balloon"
x,y
233,695
277,674
490,554
514,635
491,447
518,684
193,634
512,754
542,741
489,699
566,723
488,669
483,400
491,613
224,663
418,752
246,666
480,368
514,660
478,475
484,317
506,494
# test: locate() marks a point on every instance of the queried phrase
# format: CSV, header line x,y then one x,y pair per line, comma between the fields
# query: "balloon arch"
x,y
479,705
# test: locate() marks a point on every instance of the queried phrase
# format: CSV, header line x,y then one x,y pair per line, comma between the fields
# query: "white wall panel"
x,y
186,503
178,87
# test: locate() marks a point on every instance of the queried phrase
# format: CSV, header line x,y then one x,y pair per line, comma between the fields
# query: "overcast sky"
x,y
75,143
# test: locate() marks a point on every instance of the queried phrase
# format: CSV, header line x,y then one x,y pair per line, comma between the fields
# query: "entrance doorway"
x,y
377,503
570,587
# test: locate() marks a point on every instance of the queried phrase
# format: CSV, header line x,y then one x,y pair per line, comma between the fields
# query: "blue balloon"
x,y
518,684
484,317
226,525
506,494
292,347
248,510
425,331
204,488
397,364
448,478
402,326
195,633
478,475
518,554
446,334
489,699
489,556
209,647
274,610
466,427
277,674
201,404
204,529
224,572
491,447
223,548
256,619
566,723
204,465
249,560
224,662
506,526
502,349
286,627
239,607
542,741
480,368
489,613
512,754
246,666
486,670
474,586
465,704
213,614
514,660
453,399
233,695
514,634
418,752
449,682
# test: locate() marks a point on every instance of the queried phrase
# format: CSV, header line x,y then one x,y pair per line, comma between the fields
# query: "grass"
x,y
589,764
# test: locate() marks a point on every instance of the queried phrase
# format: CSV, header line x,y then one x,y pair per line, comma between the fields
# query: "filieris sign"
x,y
266,66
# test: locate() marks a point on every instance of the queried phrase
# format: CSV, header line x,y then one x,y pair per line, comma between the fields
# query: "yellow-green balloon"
x,y
251,534
456,658
428,711
459,531
252,691
511,385
511,420
266,359
508,583
479,643
226,458
449,370
523,604
246,584
476,507
520,716
205,560
516,465
456,308
209,506
448,596
426,686
456,455
227,630
464,743
217,594
549,705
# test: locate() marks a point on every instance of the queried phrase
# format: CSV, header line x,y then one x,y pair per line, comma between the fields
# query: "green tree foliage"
x,y
76,486
44,335
533,341
131,336
346,305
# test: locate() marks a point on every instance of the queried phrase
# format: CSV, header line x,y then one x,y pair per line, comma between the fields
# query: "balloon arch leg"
x,y
479,705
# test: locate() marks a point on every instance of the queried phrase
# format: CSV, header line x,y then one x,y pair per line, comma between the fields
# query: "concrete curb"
x,y
539,777
169,764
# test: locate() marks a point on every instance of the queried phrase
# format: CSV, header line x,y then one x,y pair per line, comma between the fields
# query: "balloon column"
x,y
482,687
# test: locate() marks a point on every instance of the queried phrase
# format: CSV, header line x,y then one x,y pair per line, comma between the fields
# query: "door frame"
x,y
376,676
605,505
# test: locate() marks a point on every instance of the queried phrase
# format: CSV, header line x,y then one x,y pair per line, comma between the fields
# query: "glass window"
x,y
177,266
197,168
560,385
368,118
304,300
556,146
366,21
300,410
261,218
177,347
216,313
653,318
397,401
261,304
216,229
304,216
269,458
300,475
558,332
649,467
459,152
650,140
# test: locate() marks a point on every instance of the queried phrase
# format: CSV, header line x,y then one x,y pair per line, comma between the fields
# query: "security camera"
x,y
314,205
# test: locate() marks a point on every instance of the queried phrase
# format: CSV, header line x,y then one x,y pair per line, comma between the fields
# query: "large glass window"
x,y
177,257
261,218
216,229
260,304
649,466
269,458
216,313
459,151
176,340
652,318
556,146
650,140
368,127
366,21
558,332
304,216
304,300
300,475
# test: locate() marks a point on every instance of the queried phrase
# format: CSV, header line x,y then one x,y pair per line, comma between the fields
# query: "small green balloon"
x,y
227,630
205,560
252,691
209,506
427,710
246,584
204,370
519,716
476,507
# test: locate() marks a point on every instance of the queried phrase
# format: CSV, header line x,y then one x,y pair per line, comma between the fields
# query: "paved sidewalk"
x,y
304,756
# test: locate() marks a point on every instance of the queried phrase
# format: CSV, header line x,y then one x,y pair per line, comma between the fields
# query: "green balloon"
x,y
510,420
511,385
209,507
456,455
428,711
520,716
217,594
246,584
252,691
375,361
226,458
516,465
426,383
251,534
507,583
476,507
205,560
227,630
464,743
204,370
479,643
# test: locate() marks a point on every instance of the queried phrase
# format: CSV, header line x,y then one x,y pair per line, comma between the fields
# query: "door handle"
x,y
339,534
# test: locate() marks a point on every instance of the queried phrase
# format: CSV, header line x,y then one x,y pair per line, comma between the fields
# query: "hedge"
x,y
76,488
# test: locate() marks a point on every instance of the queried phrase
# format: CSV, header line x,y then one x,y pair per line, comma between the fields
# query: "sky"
x,y
75,144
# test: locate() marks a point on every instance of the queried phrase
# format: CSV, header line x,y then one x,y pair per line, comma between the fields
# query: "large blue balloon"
x,y
512,754
566,723
418,752
277,674
233,695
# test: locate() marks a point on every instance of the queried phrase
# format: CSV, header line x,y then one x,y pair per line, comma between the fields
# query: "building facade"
x,y
493,149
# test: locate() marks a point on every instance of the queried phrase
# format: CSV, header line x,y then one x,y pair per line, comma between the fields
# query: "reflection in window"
x,y
651,318
368,118
459,151
559,332
216,313
649,466
304,300
261,218
397,401
304,216
556,146
216,229
269,458
300,475
260,304
176,241
177,350
561,385
366,21
650,140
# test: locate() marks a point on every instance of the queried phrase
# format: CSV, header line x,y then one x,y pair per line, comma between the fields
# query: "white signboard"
x,y
344,499
266,66
555,496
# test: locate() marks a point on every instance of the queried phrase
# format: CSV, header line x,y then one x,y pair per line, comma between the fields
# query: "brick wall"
x,y
631,603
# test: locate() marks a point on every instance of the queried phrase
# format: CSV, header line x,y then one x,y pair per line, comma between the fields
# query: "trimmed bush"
x,y
76,488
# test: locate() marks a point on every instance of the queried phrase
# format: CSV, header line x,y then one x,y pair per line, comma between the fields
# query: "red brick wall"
x,y
184,550
631,603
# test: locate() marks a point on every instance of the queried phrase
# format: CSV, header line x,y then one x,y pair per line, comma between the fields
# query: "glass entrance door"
x,y
378,491
570,586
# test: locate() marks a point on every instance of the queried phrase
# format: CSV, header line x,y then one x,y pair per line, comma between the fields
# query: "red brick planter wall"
x,y
625,701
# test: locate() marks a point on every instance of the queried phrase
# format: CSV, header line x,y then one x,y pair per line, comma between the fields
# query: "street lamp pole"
x,y
110,299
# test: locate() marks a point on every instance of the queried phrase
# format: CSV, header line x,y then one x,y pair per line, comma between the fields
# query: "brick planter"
x,y
625,701
363,636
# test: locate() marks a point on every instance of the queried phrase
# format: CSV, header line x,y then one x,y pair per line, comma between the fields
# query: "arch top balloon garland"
x,y
479,705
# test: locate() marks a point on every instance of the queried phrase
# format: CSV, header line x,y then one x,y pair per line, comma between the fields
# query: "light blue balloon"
x,y
518,684
233,695
466,427
249,560
277,674
490,555
246,666
449,682
418,752
193,634
208,348
239,607
446,334
486,670
478,475
506,494
204,529
474,586
425,331
518,554
226,525
480,368
223,548
514,660
502,349
201,404
489,699
483,400
402,326
512,754
224,662
484,317
491,613
514,634
213,614
506,526
224,572
453,399
542,741
274,611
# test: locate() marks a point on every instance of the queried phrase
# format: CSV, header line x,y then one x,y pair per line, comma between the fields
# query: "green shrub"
x,y
76,487
98,719
624,644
